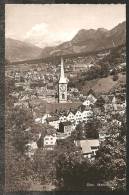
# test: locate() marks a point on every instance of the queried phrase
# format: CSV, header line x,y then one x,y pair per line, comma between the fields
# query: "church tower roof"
x,y
63,79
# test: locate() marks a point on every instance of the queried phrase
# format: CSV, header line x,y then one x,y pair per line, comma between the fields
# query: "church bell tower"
x,y
62,85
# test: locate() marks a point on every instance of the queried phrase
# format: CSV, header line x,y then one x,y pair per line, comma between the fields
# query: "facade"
x,y
87,114
50,140
90,100
63,118
78,117
71,117
62,89
66,128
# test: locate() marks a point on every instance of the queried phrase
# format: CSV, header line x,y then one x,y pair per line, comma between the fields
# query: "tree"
x,y
71,167
100,102
104,69
89,130
44,166
111,159
18,168
18,171
115,77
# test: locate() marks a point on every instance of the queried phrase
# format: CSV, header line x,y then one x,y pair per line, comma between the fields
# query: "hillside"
x,y
90,41
17,50
102,85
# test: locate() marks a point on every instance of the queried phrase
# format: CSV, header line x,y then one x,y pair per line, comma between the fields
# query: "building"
x,y
87,115
66,128
63,118
89,147
90,100
71,117
53,121
42,119
31,148
50,140
62,89
78,117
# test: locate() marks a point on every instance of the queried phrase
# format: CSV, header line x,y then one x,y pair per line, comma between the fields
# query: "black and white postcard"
x,y
65,97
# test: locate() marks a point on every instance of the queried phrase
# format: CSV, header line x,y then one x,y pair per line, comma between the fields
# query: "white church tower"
x,y
62,93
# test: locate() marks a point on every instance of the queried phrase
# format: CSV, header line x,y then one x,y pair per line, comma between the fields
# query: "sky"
x,y
50,24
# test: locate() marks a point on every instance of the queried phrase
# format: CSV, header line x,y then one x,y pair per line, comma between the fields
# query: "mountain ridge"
x,y
19,50
90,40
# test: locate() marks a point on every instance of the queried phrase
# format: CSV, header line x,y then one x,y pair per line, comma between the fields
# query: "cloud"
x,y
44,35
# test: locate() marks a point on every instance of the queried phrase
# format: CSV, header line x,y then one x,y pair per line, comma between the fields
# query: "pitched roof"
x,y
86,149
107,99
87,144
70,112
54,118
66,123
91,96
93,142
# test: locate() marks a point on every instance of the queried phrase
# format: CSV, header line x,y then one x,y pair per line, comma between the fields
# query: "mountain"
x,y
90,41
83,42
17,50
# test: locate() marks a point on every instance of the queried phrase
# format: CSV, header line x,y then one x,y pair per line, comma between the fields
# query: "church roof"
x,y
62,79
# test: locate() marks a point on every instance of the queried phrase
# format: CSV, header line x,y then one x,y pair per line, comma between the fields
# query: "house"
x,y
50,141
118,104
92,98
108,105
42,119
63,118
24,98
53,121
102,135
123,105
66,128
89,147
87,102
116,122
87,114
31,148
78,117
71,116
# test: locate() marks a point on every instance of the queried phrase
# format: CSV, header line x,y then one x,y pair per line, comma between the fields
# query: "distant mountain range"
x,y
17,50
84,41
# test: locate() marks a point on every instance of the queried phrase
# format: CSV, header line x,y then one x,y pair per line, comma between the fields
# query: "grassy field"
x,y
102,85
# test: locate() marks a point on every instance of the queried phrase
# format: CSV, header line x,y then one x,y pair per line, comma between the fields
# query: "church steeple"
x,y
62,92
62,76
62,68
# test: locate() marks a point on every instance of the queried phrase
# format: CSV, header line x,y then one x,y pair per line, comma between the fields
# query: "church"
x,y
62,85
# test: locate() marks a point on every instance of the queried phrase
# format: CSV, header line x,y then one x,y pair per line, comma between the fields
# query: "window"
x,y
63,96
46,143
46,138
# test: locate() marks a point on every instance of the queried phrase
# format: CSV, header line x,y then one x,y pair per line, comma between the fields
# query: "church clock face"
x,y
62,88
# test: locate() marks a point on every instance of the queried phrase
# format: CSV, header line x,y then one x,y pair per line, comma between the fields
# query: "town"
x,y
63,109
